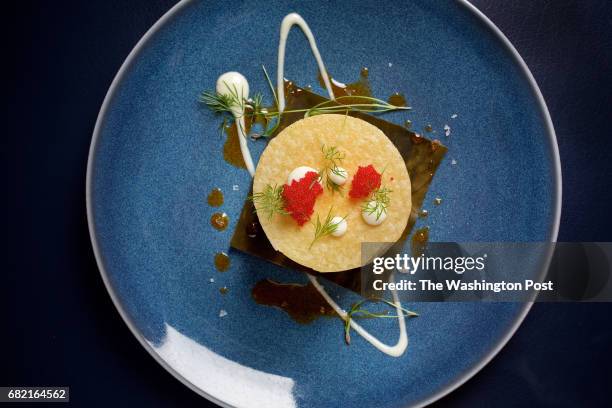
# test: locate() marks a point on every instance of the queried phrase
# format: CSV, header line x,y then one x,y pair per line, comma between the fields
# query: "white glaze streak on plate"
x,y
231,382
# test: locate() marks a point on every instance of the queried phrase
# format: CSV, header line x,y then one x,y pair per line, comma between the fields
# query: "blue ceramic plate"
x,y
156,154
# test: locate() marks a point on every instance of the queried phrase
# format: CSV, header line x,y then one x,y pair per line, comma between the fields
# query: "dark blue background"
x,y
60,327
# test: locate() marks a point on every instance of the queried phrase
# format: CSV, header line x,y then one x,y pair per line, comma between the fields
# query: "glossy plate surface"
x,y
157,153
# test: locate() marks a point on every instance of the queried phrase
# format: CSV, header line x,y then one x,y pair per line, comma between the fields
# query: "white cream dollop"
x,y
373,218
337,175
341,228
233,83
298,173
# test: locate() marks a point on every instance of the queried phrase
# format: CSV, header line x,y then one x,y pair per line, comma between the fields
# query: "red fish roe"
x,y
364,182
300,197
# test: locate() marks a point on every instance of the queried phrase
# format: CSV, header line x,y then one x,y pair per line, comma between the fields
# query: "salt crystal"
x,y
453,162
235,187
390,65
212,280
454,116
447,130
222,313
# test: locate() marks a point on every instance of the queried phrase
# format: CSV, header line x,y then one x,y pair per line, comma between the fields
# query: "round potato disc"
x,y
362,144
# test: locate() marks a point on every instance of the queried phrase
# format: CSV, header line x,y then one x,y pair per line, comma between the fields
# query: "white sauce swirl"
x,y
289,21
227,84
242,85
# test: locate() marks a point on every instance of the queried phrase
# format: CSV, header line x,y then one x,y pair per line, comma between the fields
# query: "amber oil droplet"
x,y
215,197
222,261
419,241
397,99
219,221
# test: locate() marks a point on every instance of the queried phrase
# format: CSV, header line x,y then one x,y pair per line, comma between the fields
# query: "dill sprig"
x,y
256,104
233,104
332,157
269,131
227,102
378,202
366,104
324,228
357,311
217,102
270,201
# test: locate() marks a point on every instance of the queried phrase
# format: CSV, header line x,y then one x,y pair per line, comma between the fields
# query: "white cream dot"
x,y
233,83
298,173
338,175
341,228
373,218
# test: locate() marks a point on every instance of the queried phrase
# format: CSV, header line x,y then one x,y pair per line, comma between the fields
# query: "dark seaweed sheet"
x,y
422,157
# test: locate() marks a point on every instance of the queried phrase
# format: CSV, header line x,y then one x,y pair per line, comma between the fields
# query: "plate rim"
x,y
461,379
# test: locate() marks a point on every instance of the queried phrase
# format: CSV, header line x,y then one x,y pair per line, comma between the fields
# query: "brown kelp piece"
x,y
422,158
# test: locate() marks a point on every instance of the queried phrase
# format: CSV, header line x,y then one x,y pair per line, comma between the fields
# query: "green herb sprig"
x,y
357,311
269,131
366,104
378,202
227,102
324,228
269,201
254,108
332,157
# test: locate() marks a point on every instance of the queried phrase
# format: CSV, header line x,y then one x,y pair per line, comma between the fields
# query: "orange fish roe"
x,y
364,182
300,197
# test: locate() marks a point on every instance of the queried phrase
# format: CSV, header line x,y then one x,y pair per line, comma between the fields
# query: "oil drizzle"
x,y
223,290
302,303
419,241
361,87
231,149
219,221
222,261
215,197
416,138
397,99
435,144
252,229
